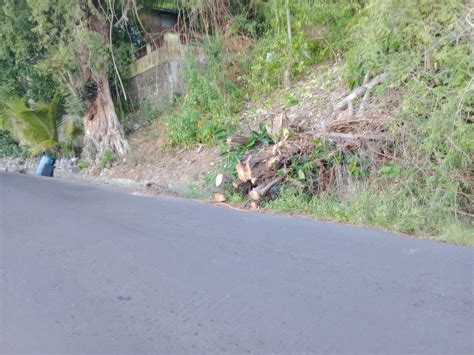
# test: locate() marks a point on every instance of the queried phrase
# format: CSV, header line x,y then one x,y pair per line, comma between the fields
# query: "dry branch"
x,y
364,89
262,190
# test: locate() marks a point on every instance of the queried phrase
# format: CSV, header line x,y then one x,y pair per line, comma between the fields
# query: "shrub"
x,y
318,32
9,147
207,111
107,158
425,47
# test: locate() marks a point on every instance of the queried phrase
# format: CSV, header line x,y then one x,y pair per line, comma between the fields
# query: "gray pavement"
x,y
89,270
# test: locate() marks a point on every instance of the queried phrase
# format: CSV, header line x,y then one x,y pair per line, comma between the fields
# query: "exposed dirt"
x,y
164,170
308,104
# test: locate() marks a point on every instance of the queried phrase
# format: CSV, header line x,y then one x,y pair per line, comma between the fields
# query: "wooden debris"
x,y
237,184
219,197
364,89
260,191
263,168
237,139
223,179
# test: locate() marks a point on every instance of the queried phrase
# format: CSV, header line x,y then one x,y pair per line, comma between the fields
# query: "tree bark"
x,y
101,124
103,130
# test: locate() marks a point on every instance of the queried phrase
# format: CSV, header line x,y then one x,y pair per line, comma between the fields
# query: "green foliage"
x,y
260,137
107,158
207,111
393,207
142,115
425,47
318,31
36,126
20,54
9,147
82,165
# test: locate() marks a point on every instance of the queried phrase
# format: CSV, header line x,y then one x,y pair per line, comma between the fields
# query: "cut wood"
x,y
237,139
223,179
260,191
277,124
237,184
219,197
242,170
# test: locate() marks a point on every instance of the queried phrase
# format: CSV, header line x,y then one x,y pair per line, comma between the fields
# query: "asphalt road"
x,y
91,270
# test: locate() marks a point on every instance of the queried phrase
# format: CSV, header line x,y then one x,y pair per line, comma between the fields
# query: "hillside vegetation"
x,y
417,181
275,96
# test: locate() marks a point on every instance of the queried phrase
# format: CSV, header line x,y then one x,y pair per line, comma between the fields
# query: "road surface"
x,y
90,270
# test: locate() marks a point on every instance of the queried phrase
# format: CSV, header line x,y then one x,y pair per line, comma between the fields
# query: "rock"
x,y
104,172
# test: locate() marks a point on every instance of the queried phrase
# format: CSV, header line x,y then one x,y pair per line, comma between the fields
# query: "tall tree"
x,y
77,35
20,53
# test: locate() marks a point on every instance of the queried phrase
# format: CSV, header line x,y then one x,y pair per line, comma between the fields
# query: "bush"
x,y
318,32
425,48
9,147
208,109
107,158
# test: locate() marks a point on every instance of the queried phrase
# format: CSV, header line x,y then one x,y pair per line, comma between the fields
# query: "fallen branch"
x,y
237,139
347,102
260,191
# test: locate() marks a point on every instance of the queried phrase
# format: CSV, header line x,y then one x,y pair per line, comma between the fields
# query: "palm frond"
x,y
35,127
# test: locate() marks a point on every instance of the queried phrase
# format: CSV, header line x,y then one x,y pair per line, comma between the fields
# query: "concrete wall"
x,y
156,77
157,85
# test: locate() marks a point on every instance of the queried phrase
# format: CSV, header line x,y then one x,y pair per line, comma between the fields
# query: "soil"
x,y
162,169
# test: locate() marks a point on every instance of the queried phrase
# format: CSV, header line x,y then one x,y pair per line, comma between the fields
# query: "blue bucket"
x,y
46,166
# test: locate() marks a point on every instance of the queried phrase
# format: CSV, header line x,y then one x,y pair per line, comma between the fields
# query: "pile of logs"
x,y
261,169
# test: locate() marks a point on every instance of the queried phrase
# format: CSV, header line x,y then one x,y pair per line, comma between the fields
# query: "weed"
x,y
82,165
9,147
292,100
197,192
394,208
206,113
107,158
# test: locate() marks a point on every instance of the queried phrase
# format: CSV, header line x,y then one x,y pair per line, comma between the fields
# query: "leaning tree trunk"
x,y
103,130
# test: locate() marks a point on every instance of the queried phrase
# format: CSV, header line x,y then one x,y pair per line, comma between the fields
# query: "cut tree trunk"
x,y
219,197
103,130
258,192
223,179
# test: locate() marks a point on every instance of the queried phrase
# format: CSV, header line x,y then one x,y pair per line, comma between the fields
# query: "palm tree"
x,y
35,127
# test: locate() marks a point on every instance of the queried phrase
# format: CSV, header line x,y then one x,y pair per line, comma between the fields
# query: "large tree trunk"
x,y
103,130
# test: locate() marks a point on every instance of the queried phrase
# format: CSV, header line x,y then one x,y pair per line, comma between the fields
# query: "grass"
x,y
423,46
391,209
195,191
